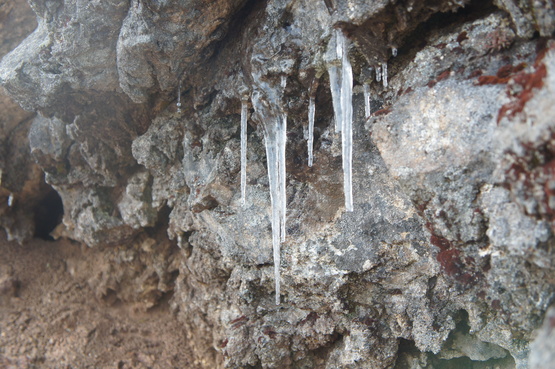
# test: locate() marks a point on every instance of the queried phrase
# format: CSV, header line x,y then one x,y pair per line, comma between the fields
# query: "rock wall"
x,y
448,256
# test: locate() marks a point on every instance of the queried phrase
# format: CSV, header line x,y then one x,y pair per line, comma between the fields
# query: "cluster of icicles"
x,y
341,85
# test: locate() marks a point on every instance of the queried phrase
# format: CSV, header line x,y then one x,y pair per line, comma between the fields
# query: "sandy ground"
x,y
50,318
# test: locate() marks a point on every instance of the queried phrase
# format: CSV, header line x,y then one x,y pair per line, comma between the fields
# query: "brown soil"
x,y
50,317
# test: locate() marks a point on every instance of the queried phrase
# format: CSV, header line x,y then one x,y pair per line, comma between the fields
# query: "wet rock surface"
x,y
447,258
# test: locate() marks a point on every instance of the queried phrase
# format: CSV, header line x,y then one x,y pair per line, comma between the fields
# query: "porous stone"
x,y
448,254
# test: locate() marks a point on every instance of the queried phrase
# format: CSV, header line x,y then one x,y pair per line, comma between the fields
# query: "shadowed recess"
x,y
48,214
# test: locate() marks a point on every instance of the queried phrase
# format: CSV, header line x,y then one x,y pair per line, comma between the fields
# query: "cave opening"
x,y
48,212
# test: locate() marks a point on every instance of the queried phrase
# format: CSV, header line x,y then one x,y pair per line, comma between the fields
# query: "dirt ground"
x,y
50,317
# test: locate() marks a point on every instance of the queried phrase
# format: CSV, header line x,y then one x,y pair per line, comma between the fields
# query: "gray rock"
x,y
542,348
452,224
21,180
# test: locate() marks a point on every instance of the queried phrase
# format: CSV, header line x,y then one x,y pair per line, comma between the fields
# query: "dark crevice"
x,y
110,297
408,352
48,215
162,223
236,24
415,41
408,30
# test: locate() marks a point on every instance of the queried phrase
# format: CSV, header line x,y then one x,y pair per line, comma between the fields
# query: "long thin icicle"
x,y
275,155
273,177
367,110
243,152
347,125
310,143
275,139
282,136
341,85
282,175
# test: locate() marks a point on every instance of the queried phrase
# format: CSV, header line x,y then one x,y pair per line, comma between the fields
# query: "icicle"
x,y
10,200
180,241
394,51
335,86
384,76
340,43
275,139
335,78
273,112
179,97
272,157
367,110
341,84
311,113
378,74
282,138
347,125
283,173
243,152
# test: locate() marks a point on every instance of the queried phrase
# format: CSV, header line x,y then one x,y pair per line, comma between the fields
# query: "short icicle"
x,y
367,110
335,79
310,143
244,152
179,97
335,86
384,75
378,74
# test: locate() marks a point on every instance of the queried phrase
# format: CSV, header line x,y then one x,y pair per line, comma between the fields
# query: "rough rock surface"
x,y
20,178
448,257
